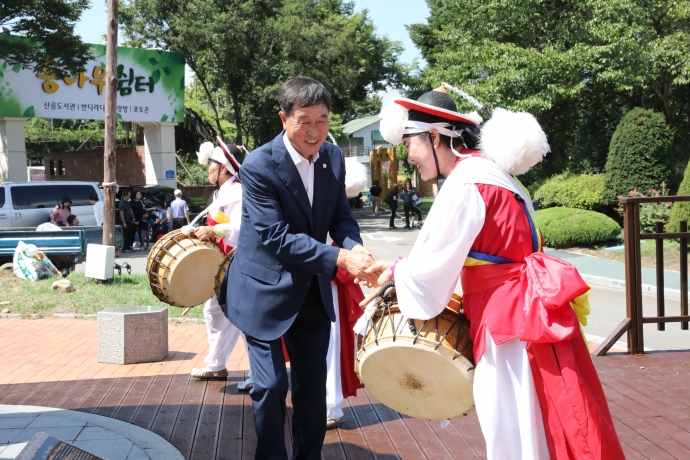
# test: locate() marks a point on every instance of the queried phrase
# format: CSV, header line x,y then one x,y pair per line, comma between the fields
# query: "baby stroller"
x,y
160,227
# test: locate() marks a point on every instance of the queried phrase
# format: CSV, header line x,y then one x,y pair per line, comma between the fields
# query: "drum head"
x,y
418,381
191,283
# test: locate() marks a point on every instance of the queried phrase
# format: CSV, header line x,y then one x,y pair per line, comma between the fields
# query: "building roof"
x,y
360,123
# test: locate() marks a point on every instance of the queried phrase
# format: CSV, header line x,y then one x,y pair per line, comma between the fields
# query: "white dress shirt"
x,y
304,167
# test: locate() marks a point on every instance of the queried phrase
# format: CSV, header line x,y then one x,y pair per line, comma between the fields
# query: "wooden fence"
x,y
635,318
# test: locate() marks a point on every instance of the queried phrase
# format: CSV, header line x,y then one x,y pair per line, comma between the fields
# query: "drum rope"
x,y
418,333
440,342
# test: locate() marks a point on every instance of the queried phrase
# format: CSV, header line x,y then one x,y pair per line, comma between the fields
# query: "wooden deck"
x,y
648,396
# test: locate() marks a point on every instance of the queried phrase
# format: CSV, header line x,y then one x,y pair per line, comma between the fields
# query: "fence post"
x,y
633,272
660,307
684,274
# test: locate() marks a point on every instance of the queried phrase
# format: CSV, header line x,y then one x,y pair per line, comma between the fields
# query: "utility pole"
x,y
109,153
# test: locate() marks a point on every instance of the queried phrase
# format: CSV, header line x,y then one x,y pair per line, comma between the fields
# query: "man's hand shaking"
x,y
356,261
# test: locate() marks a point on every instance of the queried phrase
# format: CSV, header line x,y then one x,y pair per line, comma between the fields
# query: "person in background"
x,y
73,221
127,220
144,230
62,211
375,194
165,220
407,197
138,209
392,201
97,208
179,211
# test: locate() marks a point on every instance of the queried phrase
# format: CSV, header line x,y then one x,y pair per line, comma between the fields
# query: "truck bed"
x,y
65,248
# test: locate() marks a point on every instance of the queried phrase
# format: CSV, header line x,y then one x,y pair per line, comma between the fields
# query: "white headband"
x,y
414,127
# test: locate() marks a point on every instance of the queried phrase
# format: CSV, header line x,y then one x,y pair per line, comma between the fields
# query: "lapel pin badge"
x,y
324,166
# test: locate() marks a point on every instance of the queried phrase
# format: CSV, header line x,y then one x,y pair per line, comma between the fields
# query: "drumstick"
x,y
367,300
186,310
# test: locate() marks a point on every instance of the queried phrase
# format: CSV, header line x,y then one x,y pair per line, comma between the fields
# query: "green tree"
x,y
371,105
46,29
639,157
249,48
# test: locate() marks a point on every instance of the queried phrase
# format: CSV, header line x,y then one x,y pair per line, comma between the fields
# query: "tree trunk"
x,y
109,152
238,117
209,96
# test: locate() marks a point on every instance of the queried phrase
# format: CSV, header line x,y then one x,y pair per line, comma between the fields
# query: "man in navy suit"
x,y
279,282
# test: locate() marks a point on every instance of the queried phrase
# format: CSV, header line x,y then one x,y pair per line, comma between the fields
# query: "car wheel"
x,y
8,266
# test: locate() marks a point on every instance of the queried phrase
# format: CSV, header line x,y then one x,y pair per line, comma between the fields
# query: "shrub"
x,y
680,210
572,191
639,156
651,213
566,227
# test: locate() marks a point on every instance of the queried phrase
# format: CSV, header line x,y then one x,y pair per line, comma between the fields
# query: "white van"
x,y
29,204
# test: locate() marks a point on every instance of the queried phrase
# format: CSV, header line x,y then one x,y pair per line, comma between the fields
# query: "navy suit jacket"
x,y
282,244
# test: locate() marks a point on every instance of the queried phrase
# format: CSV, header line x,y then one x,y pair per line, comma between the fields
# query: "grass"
x,y
647,254
38,299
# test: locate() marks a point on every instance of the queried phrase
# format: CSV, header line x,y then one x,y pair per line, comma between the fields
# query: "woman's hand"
x,y
205,233
381,269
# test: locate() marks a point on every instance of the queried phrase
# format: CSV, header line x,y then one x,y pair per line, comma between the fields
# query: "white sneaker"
x,y
246,385
204,374
332,423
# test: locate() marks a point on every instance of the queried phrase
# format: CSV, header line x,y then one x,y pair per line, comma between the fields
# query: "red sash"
x,y
547,285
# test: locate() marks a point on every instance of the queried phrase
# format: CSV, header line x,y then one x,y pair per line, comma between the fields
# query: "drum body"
x,y
181,269
422,369
220,275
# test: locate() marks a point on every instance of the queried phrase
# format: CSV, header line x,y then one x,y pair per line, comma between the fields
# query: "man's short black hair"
x,y
301,91
126,193
93,196
70,219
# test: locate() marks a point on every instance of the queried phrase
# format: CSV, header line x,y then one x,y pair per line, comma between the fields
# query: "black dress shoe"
x,y
407,226
392,226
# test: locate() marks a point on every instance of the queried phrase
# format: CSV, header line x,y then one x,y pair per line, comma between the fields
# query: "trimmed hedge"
x,y
584,191
566,227
639,156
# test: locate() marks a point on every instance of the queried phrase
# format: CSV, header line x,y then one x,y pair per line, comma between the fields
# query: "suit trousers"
x,y
307,345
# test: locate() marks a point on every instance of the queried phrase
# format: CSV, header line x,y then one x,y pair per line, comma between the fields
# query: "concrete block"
x,y
99,262
130,335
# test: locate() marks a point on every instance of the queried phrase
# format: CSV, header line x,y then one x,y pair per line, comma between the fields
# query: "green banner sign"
x,y
150,88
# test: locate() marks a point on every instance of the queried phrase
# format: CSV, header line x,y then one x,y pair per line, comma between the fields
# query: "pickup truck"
x,y
65,248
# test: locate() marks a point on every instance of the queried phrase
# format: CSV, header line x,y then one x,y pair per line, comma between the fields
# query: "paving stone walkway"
x,y
102,436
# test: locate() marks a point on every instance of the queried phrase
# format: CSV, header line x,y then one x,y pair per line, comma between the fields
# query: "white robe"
x,y
334,384
505,398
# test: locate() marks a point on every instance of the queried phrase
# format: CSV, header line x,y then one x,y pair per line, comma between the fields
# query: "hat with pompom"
x,y
223,154
433,110
512,140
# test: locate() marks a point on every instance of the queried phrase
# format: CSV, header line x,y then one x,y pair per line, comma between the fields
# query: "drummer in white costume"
x,y
482,230
224,228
